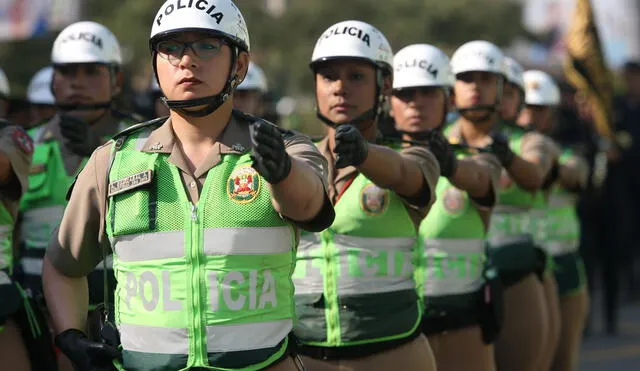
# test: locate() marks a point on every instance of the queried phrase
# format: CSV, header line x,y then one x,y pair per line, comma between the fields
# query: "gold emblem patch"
x,y
374,200
130,182
243,185
453,200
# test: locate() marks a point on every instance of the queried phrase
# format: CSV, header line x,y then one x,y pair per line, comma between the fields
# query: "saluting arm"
x,y
472,177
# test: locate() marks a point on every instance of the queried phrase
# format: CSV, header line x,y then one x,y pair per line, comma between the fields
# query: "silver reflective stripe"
x,y
499,241
371,248
4,278
150,339
149,246
557,248
539,226
6,252
247,241
226,338
308,278
560,200
248,336
108,260
38,225
31,266
508,226
508,209
453,266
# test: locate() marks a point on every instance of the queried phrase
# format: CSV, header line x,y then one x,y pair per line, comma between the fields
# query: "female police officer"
x,y
450,276
201,213
356,302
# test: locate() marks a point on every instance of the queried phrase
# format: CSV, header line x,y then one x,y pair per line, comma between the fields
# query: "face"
x,y
418,109
249,101
475,88
511,100
345,89
193,65
83,83
538,117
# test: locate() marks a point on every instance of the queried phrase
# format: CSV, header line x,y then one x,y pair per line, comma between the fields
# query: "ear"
x,y
242,65
452,100
118,83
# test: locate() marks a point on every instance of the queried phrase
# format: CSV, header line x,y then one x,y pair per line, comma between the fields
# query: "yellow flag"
x,y
585,66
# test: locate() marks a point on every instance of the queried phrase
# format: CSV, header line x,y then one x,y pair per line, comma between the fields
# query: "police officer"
x,y
201,211
249,96
356,298
86,60
40,97
562,228
158,106
478,67
450,276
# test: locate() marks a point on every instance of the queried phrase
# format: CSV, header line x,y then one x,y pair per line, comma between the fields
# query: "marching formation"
x,y
211,239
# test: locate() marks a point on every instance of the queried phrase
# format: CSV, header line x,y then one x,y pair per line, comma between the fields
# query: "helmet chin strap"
x,y
212,102
84,107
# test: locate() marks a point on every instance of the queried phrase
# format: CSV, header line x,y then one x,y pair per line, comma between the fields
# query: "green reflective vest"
x,y
354,281
205,285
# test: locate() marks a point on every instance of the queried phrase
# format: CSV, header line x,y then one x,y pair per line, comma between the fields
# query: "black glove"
x,y
85,354
351,148
440,147
270,159
500,148
78,135
552,176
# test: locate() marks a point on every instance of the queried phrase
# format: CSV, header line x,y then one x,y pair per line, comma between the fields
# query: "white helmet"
x,y
354,40
39,90
421,65
477,56
86,42
513,72
5,90
254,80
218,17
540,89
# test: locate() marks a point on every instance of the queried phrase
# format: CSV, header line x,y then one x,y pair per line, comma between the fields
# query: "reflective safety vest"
x,y
6,240
354,281
510,221
205,285
453,254
563,226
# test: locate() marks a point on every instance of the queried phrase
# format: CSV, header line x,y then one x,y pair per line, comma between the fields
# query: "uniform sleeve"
x,y
76,246
492,164
16,144
538,148
302,149
430,170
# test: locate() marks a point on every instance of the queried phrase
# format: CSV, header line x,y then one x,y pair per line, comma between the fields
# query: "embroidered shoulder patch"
x,y
130,182
453,200
243,185
22,140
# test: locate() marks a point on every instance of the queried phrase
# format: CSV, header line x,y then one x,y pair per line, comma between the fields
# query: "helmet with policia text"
x,y
541,89
87,42
423,65
513,72
39,90
218,18
254,80
5,89
480,56
356,40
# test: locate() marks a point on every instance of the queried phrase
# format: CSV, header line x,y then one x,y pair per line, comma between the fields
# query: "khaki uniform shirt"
x,y
426,161
76,249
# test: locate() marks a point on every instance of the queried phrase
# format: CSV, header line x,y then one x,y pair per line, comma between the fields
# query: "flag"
x,y
585,66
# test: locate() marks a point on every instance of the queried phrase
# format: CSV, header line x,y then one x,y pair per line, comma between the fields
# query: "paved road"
x,y
606,353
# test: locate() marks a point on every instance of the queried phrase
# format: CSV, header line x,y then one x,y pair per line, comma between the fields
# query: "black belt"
x,y
355,351
450,313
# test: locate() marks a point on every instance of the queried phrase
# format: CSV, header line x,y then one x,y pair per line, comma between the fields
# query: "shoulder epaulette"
x,y
135,128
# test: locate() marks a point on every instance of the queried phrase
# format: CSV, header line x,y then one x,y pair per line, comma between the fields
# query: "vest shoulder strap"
x,y
138,127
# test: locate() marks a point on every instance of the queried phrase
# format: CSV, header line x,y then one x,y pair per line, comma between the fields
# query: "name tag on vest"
x,y
133,181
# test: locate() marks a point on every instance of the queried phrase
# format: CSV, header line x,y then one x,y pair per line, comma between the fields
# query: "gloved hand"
x,y
85,354
351,148
270,159
500,148
78,135
440,147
